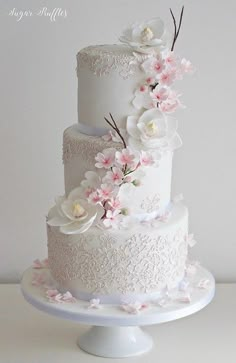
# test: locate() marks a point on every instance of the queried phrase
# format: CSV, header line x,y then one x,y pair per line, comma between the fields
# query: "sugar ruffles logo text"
x,y
51,14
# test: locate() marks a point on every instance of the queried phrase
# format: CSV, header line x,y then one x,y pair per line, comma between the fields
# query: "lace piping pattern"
x,y
85,146
101,264
102,62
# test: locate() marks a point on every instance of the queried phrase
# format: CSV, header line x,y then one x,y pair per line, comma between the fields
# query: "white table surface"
x,y
30,336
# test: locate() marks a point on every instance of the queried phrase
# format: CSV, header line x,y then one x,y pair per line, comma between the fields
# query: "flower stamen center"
x,y
151,128
77,210
147,34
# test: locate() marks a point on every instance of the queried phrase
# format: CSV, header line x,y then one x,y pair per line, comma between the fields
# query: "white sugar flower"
x,y
153,130
92,180
74,215
146,37
142,98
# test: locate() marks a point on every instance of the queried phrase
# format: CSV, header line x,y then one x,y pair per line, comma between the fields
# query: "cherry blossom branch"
x,y
115,127
176,30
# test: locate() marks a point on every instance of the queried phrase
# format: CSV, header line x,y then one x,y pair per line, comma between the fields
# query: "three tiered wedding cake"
x,y
116,235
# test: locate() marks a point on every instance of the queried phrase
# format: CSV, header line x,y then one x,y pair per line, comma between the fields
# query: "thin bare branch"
x,y
176,30
180,22
116,128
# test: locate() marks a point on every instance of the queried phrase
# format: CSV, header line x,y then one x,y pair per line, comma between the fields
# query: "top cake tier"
x,y
107,78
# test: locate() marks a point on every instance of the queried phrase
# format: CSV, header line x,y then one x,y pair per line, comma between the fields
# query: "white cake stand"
x,y
114,332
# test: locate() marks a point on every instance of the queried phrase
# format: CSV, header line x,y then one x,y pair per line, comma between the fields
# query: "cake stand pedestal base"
x,y
114,332
115,342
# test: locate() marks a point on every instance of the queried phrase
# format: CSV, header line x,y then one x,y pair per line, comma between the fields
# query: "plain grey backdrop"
x,y
38,100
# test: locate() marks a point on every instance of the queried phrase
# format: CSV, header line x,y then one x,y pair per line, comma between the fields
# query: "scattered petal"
x,y
184,285
94,304
204,284
178,198
184,298
37,264
190,240
67,297
134,308
38,279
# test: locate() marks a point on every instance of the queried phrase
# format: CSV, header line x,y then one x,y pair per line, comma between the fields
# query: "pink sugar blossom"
x,y
113,136
169,106
150,80
106,191
94,198
159,93
146,158
105,159
171,59
186,66
107,137
88,192
143,88
158,66
125,157
114,177
171,103
111,219
142,98
114,203
37,264
153,66
167,77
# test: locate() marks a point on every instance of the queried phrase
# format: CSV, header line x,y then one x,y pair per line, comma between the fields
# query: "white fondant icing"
x,y
120,263
107,78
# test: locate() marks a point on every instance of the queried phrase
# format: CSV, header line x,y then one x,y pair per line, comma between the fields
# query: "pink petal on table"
x,y
204,284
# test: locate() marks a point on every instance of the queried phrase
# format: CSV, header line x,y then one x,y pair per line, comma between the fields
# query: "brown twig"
x,y
116,128
176,30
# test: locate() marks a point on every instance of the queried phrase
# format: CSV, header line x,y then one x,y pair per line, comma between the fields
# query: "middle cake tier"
x,y
146,201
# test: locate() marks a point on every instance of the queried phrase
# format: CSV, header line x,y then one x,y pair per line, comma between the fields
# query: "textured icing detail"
x,y
101,61
102,264
84,146
151,203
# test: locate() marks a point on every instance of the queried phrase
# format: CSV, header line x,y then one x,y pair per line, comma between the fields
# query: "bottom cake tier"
x,y
118,266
